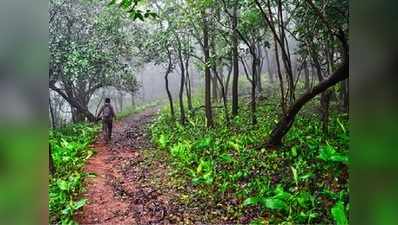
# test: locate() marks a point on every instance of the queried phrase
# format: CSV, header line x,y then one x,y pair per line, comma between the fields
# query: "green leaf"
x,y
163,141
294,151
341,125
295,176
306,176
304,199
63,185
227,158
196,180
328,153
338,213
274,203
251,201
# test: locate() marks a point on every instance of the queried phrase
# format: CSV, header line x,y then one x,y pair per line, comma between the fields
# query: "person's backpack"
x,y
107,113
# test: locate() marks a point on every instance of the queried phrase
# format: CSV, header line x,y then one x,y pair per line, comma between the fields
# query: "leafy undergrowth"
x,y
228,172
70,150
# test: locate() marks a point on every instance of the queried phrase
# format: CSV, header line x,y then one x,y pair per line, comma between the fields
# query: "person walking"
x,y
108,114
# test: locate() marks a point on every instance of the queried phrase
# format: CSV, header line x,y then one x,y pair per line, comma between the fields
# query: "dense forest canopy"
x,y
255,95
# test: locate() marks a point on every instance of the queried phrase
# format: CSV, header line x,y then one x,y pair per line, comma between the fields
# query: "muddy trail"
x,y
124,190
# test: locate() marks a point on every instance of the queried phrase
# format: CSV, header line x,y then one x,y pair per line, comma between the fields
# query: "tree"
x,y
235,58
339,30
209,116
86,50
250,33
129,83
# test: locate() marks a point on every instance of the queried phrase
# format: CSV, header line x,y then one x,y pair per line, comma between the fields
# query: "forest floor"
x,y
125,187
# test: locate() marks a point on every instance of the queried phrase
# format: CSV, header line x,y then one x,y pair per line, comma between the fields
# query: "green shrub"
x,y
70,150
288,182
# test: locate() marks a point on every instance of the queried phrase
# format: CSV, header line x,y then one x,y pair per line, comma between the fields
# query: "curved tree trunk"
x,y
287,120
80,110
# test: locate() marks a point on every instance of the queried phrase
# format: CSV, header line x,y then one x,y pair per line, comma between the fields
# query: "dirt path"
x,y
121,192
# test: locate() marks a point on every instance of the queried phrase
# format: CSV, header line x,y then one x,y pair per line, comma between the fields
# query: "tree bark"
x,y
235,56
223,95
344,96
188,87
80,109
209,116
283,102
325,103
214,68
53,123
259,69
166,81
226,88
253,91
182,81
287,120
325,96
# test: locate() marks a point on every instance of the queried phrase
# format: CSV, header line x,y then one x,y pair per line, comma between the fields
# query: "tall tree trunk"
x,y
214,68
287,120
188,87
347,96
223,95
325,103
182,81
253,91
209,116
52,117
283,102
226,88
166,79
325,96
259,68
214,87
181,93
344,95
235,56
285,53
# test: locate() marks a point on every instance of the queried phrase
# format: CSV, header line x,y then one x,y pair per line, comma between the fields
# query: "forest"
x,y
224,112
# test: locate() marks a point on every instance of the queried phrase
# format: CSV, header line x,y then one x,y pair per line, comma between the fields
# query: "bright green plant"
x,y
232,160
338,213
328,153
70,150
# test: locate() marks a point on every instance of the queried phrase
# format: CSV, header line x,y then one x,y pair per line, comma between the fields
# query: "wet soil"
x,y
121,191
